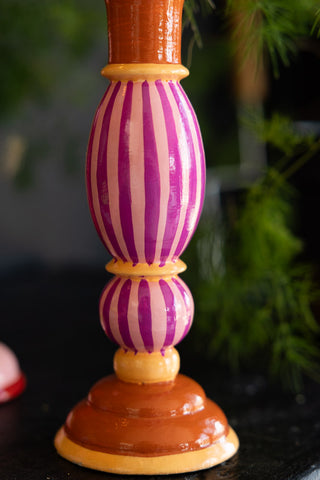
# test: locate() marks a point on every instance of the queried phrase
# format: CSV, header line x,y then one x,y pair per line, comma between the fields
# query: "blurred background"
x,y
51,55
254,83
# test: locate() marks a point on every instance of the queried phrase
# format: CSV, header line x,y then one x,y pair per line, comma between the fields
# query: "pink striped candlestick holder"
x,y
145,182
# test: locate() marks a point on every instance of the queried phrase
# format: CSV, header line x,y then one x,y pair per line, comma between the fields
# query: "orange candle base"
x,y
159,428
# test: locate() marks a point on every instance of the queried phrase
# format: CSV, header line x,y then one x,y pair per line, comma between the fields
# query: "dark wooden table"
x,y
50,319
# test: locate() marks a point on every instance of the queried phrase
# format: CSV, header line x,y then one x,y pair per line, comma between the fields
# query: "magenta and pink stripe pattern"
x,y
145,171
146,316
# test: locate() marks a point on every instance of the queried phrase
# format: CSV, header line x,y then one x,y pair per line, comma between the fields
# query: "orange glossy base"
x,y
162,428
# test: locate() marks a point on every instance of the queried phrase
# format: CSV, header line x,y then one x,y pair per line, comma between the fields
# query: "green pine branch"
x,y
254,305
274,27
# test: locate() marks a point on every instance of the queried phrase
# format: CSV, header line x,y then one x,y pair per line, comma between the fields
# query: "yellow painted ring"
x,y
144,71
128,269
192,461
144,367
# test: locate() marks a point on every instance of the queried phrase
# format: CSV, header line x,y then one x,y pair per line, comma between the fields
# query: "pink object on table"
x,y
12,380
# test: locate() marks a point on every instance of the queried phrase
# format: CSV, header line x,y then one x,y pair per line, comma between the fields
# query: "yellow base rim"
x,y
158,465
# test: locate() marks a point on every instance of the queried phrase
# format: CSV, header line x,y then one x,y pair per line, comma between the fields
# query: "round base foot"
x,y
162,428
192,461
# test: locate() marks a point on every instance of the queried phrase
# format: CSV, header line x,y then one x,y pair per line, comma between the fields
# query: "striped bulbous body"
x,y
145,171
145,184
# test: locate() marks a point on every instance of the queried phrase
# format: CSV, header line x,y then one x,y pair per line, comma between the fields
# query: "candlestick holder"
x,y
145,184
12,380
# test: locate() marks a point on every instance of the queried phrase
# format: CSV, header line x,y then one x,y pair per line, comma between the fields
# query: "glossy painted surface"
x,y
143,315
145,178
144,31
190,461
13,390
145,171
158,419
143,367
12,381
139,72
153,271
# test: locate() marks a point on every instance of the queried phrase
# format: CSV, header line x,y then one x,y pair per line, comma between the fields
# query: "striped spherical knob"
x,y
143,315
145,178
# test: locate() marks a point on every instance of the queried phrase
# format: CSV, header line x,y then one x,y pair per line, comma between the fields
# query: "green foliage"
x,y
253,295
316,26
38,40
190,9
265,26
278,131
264,30
274,26
282,133
253,305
